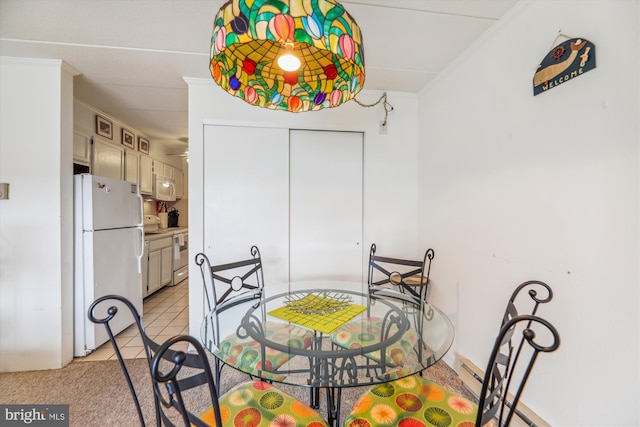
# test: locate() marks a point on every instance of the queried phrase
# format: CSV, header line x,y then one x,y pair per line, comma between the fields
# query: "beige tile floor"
x,y
164,314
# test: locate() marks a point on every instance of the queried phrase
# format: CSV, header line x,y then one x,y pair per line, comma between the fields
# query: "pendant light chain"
x,y
387,107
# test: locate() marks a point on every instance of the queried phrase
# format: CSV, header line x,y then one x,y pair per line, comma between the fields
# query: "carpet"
x,y
98,395
96,392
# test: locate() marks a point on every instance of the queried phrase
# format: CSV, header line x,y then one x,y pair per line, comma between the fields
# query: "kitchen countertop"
x,y
167,232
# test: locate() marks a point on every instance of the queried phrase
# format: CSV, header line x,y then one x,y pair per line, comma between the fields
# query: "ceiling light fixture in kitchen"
x,y
292,55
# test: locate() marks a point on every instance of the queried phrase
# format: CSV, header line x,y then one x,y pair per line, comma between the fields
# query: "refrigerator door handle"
x,y
141,231
141,223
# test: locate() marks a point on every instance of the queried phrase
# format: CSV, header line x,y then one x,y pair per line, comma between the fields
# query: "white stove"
x,y
179,241
180,255
152,224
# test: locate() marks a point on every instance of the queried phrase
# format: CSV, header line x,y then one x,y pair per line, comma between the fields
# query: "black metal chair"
x,y
402,279
509,367
226,285
407,276
504,378
103,311
249,403
538,292
226,282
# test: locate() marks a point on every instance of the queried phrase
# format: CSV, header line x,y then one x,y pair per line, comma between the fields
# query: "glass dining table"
x,y
328,335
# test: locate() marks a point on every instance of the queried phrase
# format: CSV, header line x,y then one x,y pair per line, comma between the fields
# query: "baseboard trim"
x,y
472,377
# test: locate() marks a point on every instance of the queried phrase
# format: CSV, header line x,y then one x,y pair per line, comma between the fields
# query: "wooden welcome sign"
x,y
564,62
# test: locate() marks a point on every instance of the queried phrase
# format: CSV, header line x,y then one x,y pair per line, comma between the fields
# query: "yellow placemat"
x,y
325,323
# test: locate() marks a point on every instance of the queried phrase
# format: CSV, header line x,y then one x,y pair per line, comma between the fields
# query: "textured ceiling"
x,y
133,55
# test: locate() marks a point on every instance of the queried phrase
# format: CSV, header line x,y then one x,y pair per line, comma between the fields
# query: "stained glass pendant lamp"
x,y
293,55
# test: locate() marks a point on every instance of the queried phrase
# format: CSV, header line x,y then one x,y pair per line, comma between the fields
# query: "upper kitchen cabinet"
x,y
107,159
146,175
95,153
163,169
178,177
81,148
131,166
158,167
167,170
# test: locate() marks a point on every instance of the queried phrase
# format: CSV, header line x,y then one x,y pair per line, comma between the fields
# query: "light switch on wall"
x,y
4,190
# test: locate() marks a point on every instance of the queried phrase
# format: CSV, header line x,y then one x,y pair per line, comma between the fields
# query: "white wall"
x,y
390,166
36,245
517,187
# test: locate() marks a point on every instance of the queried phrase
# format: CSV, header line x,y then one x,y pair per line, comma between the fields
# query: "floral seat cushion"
x,y
358,334
259,404
246,354
412,401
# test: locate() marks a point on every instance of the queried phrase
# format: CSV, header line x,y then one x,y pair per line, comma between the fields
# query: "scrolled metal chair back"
x,y
538,292
508,371
110,304
202,261
397,273
225,281
229,283
170,382
428,257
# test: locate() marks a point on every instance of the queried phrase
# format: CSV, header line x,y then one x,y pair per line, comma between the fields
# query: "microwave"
x,y
164,188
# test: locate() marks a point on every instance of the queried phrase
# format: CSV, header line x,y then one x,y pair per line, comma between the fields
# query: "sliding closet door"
x,y
325,205
246,196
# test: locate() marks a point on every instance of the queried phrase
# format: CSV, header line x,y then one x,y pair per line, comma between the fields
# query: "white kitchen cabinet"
x,y
166,270
153,275
178,177
81,148
168,170
158,167
107,159
146,174
159,267
131,166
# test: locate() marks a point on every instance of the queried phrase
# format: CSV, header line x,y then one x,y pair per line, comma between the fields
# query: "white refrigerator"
x,y
108,245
